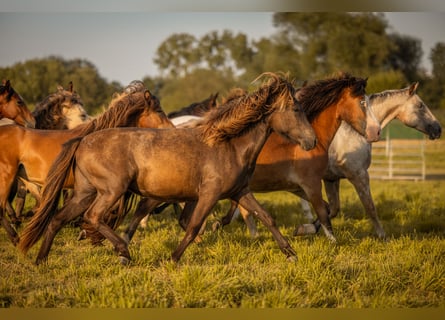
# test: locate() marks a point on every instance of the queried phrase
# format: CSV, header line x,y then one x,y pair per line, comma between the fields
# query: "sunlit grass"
x,y
229,269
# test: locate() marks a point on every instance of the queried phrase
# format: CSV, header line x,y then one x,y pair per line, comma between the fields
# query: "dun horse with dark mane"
x,y
200,165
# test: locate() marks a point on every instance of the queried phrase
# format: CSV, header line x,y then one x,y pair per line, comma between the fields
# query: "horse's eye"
x,y
363,104
421,106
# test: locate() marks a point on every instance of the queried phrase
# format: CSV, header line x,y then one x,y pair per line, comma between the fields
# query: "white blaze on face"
x,y
75,115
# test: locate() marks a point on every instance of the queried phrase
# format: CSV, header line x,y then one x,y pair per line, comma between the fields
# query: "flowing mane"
x,y
123,109
384,95
238,115
316,96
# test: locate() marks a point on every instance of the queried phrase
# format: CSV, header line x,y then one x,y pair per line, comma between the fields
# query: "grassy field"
x,y
229,269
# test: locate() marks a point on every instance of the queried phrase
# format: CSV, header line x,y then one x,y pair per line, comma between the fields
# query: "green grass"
x,y
229,269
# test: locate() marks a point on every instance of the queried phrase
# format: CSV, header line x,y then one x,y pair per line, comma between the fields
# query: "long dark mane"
x,y
197,108
49,112
123,110
316,96
238,115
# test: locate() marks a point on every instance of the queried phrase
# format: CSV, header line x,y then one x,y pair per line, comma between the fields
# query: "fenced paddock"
x,y
407,155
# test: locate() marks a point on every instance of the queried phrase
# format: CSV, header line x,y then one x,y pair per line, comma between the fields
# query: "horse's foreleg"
x,y
12,234
20,198
361,185
249,202
195,221
250,222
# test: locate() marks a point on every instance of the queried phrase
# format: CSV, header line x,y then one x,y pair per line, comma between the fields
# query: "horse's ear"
x,y
147,95
7,85
413,88
70,87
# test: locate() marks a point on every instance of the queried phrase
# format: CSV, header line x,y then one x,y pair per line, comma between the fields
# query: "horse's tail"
x,y
50,195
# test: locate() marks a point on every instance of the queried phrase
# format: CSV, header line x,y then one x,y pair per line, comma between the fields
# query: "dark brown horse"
x,y
284,166
13,107
31,152
197,108
201,165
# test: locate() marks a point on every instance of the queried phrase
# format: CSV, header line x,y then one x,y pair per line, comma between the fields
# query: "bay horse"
x,y
60,110
351,160
31,151
13,107
200,165
282,166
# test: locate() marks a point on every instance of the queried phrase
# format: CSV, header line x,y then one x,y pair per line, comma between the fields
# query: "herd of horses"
x,y
276,138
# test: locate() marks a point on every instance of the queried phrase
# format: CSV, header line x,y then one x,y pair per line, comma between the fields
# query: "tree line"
x,y
306,45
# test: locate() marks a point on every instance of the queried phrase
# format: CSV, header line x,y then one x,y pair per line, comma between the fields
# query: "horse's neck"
x,y
387,109
249,145
325,126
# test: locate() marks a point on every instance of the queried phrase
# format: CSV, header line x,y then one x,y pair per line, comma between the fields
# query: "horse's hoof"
x,y
124,260
305,229
292,259
82,235
198,239
216,225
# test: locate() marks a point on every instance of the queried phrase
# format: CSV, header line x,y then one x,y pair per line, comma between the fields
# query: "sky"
x,y
122,44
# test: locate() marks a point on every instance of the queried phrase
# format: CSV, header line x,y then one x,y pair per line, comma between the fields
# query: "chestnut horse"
x,y
201,165
13,107
31,152
282,166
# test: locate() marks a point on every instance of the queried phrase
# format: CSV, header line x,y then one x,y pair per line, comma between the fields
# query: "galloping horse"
x,y
200,165
31,152
351,160
282,166
60,110
13,107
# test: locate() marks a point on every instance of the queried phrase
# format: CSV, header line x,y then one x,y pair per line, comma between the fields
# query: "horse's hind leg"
x,y
94,216
71,210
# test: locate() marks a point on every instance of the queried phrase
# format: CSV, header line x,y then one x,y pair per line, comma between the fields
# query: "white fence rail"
x,y
398,159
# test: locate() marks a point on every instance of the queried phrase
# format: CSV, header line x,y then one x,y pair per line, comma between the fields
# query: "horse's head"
x,y
13,107
72,107
61,110
153,115
415,113
354,108
288,118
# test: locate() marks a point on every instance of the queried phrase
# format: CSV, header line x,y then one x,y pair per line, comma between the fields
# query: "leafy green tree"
x,y
405,55
37,78
330,42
